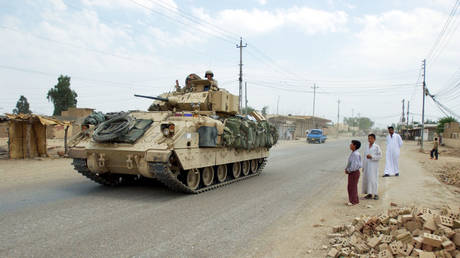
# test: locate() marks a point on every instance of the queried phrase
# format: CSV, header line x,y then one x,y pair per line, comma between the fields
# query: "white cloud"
x,y
399,37
143,5
262,2
58,5
257,21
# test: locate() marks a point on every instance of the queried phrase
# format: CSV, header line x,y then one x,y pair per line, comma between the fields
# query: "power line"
x,y
443,30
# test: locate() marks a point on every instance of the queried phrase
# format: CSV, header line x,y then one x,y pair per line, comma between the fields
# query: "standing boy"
x,y
435,149
352,170
372,155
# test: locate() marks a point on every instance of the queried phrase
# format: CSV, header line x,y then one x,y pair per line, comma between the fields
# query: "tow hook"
x,y
101,161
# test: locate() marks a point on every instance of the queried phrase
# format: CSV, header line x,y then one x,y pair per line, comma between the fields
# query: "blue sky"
x,y
365,53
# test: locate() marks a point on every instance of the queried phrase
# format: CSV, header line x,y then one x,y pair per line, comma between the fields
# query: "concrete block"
x,y
387,239
417,242
427,255
430,224
406,218
411,225
448,245
361,248
456,238
406,250
382,246
433,240
456,223
395,247
385,254
384,219
444,220
333,253
416,252
404,237
345,251
426,211
393,213
427,248
337,229
373,242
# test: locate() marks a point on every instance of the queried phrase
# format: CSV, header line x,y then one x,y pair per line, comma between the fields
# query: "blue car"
x,y
316,136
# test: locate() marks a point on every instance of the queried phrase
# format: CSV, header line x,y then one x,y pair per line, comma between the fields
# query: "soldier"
x,y
209,75
188,82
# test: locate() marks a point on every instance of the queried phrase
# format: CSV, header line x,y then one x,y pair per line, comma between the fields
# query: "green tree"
x,y
62,95
443,121
264,110
363,123
429,121
22,106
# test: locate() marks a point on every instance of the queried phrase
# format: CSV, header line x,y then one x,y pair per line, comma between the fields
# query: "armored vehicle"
x,y
191,140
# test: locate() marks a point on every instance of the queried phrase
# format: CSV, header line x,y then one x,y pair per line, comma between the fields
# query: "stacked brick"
x,y
400,232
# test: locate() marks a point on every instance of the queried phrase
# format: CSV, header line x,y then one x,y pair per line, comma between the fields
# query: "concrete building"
x,y
291,127
451,135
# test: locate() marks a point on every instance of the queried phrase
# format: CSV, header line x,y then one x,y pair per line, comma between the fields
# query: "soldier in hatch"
x,y
188,82
210,76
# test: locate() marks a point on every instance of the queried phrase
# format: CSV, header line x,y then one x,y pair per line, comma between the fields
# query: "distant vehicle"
x,y
316,135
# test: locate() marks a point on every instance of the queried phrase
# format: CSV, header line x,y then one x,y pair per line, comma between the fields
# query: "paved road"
x,y
72,216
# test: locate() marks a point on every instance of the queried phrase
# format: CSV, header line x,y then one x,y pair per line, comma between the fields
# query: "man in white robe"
x,y
372,155
394,143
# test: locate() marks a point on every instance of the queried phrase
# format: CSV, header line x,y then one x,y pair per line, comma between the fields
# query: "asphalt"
x,y
73,217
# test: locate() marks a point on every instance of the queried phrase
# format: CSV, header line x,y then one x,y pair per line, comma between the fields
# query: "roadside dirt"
x,y
304,234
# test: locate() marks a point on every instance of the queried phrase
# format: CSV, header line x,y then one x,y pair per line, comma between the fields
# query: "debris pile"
x,y
449,175
400,232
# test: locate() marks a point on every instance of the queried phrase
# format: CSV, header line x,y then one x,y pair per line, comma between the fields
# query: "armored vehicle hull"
x,y
187,151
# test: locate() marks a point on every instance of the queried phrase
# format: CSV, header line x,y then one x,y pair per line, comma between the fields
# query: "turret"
x,y
200,96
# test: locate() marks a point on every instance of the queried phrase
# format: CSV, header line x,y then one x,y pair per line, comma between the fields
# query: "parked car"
x,y
316,135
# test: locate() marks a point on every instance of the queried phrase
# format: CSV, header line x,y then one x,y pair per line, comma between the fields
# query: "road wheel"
x,y
236,170
193,178
245,167
254,166
221,173
207,176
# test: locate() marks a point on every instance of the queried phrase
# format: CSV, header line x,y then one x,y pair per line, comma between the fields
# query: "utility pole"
x,y
423,105
338,116
240,79
314,102
246,96
277,105
403,119
407,116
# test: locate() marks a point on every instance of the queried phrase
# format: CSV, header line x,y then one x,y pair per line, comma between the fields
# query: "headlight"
x,y
166,132
168,129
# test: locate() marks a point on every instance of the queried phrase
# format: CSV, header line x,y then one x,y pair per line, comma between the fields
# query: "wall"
x,y
451,130
454,143
4,129
77,113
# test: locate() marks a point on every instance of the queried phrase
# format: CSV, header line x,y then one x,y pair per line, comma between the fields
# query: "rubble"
x,y
449,175
399,232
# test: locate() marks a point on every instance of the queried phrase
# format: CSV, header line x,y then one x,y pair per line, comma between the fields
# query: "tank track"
x,y
163,174
166,177
103,179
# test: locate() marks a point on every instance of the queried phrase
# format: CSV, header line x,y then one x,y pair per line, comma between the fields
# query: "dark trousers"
x,y
434,152
353,178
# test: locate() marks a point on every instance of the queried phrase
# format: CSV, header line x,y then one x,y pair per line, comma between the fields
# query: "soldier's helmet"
x,y
209,72
192,77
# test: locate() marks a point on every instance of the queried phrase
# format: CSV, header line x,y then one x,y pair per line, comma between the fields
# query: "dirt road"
x,y
46,209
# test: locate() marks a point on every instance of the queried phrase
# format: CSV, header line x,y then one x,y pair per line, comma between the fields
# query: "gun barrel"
x,y
150,97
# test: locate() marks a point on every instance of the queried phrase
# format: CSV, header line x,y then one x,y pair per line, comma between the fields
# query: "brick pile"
x,y
399,232
449,175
